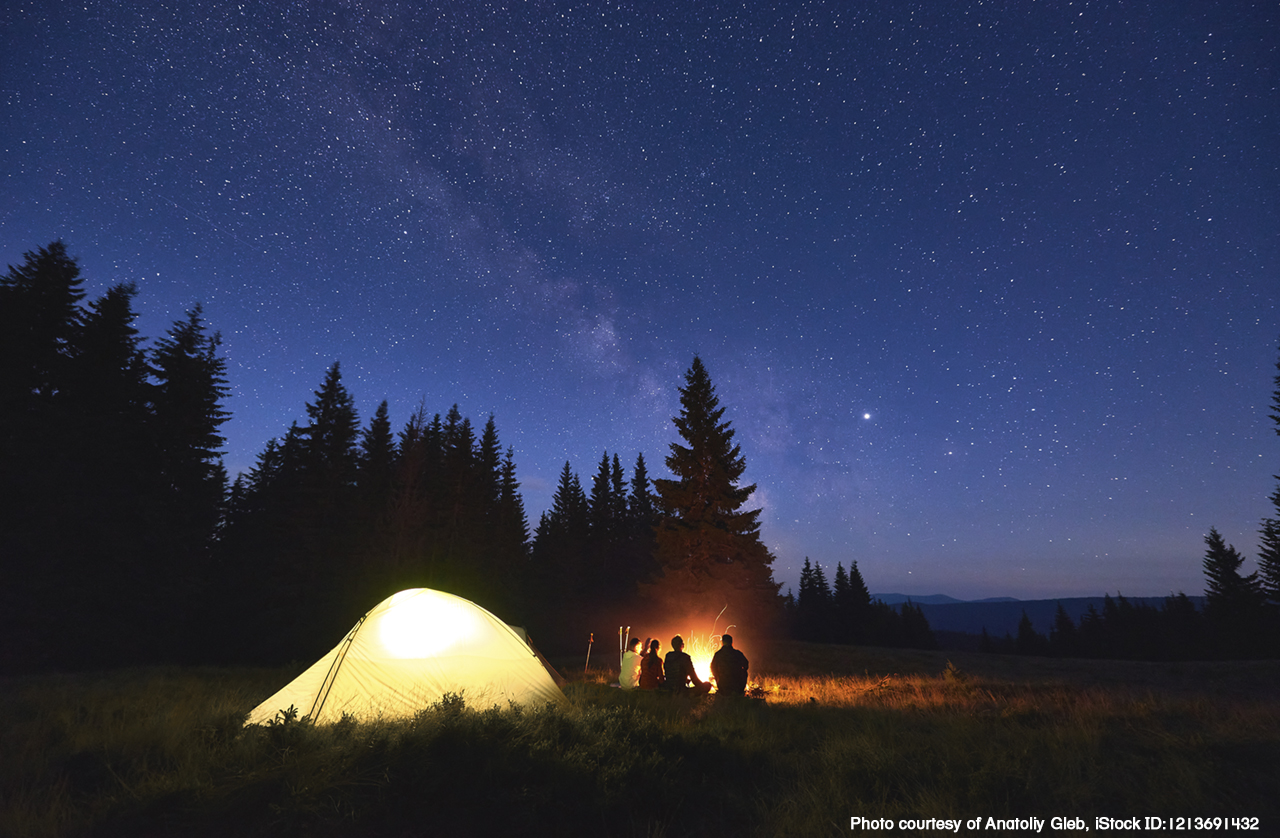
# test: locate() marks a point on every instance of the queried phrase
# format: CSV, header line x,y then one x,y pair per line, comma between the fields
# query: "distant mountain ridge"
x,y
934,599
1001,615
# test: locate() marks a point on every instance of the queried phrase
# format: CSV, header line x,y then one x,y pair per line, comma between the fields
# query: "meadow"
x,y
840,732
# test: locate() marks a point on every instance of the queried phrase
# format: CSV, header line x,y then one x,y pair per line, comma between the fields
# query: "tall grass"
x,y
162,752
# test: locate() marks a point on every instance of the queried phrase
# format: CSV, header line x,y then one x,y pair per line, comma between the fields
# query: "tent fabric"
x,y
406,653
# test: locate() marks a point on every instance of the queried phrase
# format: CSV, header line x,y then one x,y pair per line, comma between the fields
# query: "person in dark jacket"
x,y
729,668
678,668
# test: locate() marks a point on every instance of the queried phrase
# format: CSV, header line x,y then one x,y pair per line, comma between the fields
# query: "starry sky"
x,y
988,289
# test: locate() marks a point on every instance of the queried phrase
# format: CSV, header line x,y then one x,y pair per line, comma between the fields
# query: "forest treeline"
x,y
842,611
123,539
1240,618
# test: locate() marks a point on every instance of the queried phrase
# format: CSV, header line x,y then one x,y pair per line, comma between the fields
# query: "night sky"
x,y
987,289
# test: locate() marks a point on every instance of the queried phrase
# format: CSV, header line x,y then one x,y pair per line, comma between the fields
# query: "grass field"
x,y
841,732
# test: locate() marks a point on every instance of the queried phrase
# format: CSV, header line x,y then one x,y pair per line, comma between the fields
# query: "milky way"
x,y
988,290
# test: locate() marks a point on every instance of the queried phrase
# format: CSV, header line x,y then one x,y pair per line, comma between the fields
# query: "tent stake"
x,y
590,639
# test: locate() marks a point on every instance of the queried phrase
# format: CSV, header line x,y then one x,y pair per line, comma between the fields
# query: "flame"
x,y
701,648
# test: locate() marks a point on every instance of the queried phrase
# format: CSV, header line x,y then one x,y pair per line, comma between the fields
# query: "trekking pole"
x,y
591,638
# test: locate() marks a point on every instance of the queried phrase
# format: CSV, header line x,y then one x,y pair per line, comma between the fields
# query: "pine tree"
x,y
40,315
324,543
842,628
187,399
1233,602
609,567
602,509
560,542
191,384
1226,590
376,462
332,457
489,469
1269,556
813,604
40,318
1269,534
618,496
112,478
708,544
639,521
513,524
640,503
860,603
916,633
1029,641
1062,636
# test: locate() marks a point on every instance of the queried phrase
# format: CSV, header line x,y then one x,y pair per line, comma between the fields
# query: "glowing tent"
x,y
406,653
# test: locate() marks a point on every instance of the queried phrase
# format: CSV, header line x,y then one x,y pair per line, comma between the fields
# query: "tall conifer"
x,y
1269,534
708,543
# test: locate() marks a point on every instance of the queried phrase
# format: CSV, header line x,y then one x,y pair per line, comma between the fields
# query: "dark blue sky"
x,y
989,290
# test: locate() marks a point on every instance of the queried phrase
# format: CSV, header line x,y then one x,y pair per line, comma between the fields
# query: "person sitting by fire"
x,y
629,676
679,670
651,677
729,668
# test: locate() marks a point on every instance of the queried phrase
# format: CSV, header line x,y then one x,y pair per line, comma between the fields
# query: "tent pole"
x,y
323,694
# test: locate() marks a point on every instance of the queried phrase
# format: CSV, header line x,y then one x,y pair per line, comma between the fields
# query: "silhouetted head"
x,y
634,644
654,646
677,643
726,640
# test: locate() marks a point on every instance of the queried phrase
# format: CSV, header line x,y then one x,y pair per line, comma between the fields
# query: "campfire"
x,y
699,647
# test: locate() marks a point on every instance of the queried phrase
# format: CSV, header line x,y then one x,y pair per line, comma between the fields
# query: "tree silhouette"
x,y
191,384
1269,534
561,539
1232,601
708,544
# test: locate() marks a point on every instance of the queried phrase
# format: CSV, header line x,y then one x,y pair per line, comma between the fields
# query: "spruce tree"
x,y
561,541
860,603
640,503
39,317
607,567
814,604
324,542
618,496
332,456
602,510
376,461
1233,602
841,623
708,544
513,523
112,477
489,469
1029,641
640,519
1062,636
916,633
1226,590
1269,534
191,384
